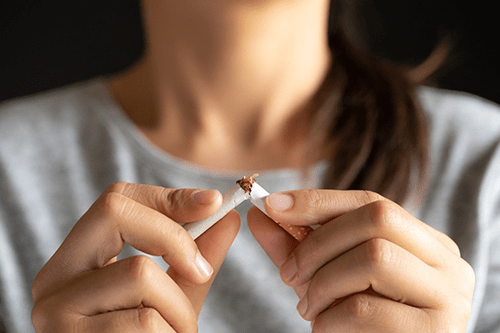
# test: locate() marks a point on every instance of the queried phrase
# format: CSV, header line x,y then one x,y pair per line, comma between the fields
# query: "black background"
x,y
45,44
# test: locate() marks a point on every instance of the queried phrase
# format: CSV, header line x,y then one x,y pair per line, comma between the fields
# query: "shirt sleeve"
x,y
489,315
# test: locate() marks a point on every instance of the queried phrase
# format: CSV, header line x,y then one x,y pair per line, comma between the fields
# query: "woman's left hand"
x,y
370,267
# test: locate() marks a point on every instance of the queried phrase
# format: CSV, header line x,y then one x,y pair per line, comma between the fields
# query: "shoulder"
x,y
464,184
460,114
49,128
464,130
464,192
45,118
55,106
464,138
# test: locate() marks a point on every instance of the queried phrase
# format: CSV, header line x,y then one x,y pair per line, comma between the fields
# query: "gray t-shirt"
x,y
60,150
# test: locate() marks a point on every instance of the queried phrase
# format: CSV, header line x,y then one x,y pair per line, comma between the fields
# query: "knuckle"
x,y
149,320
367,197
449,323
449,243
141,269
45,316
381,213
469,277
112,204
180,235
36,288
38,315
379,253
117,187
184,239
360,309
464,313
315,200
180,239
454,247
175,198
320,326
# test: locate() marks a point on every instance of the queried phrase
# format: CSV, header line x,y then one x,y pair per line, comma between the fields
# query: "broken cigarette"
x,y
258,195
245,188
230,199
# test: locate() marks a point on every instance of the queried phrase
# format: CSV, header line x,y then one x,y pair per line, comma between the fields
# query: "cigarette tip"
x,y
246,183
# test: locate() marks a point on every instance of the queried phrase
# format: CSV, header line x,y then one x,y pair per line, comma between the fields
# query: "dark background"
x,y
45,44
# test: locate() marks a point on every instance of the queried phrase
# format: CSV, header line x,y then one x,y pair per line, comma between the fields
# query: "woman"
x,y
225,89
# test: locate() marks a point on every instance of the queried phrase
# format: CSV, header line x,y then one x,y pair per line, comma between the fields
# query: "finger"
x,y
129,283
306,207
380,219
372,314
320,247
214,245
113,220
133,320
277,243
181,205
444,239
383,266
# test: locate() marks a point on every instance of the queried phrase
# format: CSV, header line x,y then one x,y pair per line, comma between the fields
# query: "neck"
x,y
229,75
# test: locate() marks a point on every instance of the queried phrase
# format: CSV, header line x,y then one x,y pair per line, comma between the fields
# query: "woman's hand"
x,y
83,288
370,267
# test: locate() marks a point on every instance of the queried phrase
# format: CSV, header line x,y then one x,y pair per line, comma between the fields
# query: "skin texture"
x,y
224,84
370,267
83,288
226,87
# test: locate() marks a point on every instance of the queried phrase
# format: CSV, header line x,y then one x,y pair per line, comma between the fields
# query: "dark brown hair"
x,y
371,122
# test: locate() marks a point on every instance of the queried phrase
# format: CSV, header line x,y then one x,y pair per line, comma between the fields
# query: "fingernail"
x,y
302,306
280,202
204,267
204,197
289,270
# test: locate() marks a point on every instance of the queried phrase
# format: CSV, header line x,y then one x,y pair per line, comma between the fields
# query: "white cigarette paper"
x,y
231,198
245,188
258,196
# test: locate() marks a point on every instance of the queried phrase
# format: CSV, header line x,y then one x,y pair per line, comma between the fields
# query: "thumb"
x,y
213,245
274,240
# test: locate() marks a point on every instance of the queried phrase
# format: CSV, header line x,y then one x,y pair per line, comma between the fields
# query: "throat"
x,y
241,159
232,150
223,87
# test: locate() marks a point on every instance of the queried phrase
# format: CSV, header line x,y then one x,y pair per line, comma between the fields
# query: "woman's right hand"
x,y
84,288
